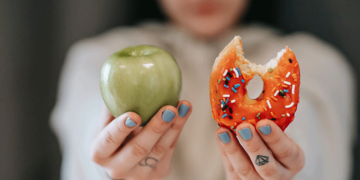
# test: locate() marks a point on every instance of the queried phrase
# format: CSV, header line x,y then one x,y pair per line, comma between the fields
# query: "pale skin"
x,y
145,153
284,157
138,152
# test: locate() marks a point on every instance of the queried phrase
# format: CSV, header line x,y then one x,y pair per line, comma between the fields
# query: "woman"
x,y
320,135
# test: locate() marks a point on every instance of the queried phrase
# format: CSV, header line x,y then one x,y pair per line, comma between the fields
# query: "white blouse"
x,y
323,125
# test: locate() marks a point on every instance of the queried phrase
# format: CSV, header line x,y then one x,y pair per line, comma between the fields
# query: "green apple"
x,y
140,79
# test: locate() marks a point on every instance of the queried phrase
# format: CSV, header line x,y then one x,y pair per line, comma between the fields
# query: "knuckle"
x,y
253,147
299,158
138,150
176,126
231,169
109,138
276,140
270,170
156,129
232,151
286,152
158,149
95,157
244,171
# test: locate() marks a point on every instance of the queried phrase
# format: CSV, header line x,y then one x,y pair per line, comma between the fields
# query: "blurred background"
x,y
35,35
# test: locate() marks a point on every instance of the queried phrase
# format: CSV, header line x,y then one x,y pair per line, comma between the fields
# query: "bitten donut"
x,y
231,73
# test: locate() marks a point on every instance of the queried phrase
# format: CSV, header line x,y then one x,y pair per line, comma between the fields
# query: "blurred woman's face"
x,y
206,18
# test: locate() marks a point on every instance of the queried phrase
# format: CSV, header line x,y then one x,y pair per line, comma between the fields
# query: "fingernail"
x,y
168,115
183,110
265,130
130,123
224,137
245,133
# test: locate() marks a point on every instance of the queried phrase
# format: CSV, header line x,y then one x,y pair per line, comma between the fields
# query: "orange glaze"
x,y
248,108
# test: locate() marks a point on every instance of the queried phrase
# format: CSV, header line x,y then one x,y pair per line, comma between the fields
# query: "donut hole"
x,y
255,88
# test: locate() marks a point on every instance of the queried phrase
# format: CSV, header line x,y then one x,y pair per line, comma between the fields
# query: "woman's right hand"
x,y
147,152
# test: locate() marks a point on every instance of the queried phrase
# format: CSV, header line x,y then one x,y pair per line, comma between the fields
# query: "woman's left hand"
x,y
267,153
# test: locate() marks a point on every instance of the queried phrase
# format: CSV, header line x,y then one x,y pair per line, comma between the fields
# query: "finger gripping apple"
x,y
231,73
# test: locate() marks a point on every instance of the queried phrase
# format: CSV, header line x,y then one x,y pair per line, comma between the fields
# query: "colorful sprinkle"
x,y
228,78
232,101
287,83
294,76
285,86
237,68
230,110
233,89
287,75
284,97
288,115
226,95
230,69
242,81
243,118
285,90
265,109
272,97
229,74
223,116
226,86
219,81
276,93
290,105
222,102
236,73
270,70
268,102
290,60
224,79
293,89
226,106
258,115
283,115
225,72
295,64
230,117
273,89
227,100
236,85
277,77
232,127
272,114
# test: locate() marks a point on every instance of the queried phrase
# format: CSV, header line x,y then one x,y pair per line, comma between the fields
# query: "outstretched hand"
x,y
127,151
267,153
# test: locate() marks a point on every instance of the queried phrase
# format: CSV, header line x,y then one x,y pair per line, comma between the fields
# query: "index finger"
x,y
284,149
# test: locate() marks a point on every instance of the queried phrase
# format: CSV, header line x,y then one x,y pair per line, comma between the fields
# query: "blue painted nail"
x,y
183,110
266,130
168,115
224,137
245,133
130,123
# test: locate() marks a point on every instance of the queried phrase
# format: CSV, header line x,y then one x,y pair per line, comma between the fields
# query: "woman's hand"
x,y
147,152
267,153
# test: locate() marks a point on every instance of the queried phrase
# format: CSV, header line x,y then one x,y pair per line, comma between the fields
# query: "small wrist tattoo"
x,y
149,161
261,160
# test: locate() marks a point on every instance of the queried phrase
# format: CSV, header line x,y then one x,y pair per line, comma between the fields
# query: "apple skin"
x,y
140,79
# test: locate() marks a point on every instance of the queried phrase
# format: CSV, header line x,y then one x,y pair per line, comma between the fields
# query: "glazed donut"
x,y
231,73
